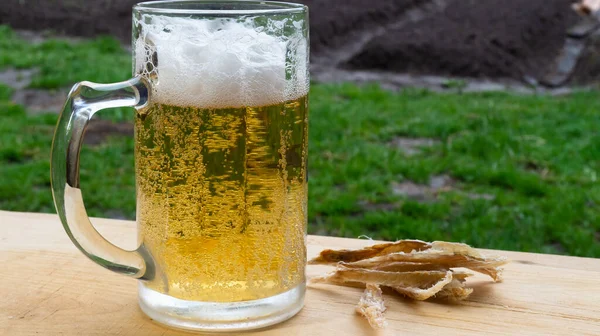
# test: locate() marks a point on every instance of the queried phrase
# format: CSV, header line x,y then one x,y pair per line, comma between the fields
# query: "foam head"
x,y
221,62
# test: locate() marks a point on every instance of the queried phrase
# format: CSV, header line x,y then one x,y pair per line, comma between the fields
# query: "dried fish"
x,y
372,306
455,290
425,290
333,256
405,267
391,279
404,254
494,272
414,268
435,257
461,275
456,248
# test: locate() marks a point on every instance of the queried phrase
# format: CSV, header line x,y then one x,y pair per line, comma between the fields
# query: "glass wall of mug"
x,y
220,91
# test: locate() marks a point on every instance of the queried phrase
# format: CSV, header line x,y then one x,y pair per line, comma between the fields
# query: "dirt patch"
x,y
439,182
588,66
557,247
76,18
395,81
428,192
475,38
424,192
40,101
351,24
38,37
412,146
475,196
99,130
414,191
368,206
17,78
536,167
36,101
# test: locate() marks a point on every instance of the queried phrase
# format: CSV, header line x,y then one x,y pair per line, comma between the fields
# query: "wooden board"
x,y
47,287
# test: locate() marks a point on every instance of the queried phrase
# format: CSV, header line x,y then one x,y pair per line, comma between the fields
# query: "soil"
x,y
335,23
70,17
475,38
429,192
40,101
412,146
520,40
99,130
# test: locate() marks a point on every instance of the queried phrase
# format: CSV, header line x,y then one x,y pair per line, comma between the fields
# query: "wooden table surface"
x,y
47,287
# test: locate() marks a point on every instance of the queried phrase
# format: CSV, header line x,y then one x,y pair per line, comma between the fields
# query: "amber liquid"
x,y
222,198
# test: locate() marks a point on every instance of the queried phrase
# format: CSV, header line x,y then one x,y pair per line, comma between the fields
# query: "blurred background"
x,y
461,120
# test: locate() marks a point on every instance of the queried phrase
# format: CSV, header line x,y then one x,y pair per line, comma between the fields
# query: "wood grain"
x,y
47,287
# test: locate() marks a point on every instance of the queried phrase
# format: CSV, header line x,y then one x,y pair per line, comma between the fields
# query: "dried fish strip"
x,y
372,306
389,256
494,272
455,290
436,257
461,275
417,279
456,248
404,267
426,290
418,285
334,256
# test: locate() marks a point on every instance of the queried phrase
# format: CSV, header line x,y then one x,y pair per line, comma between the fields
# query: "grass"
x,y
538,156
62,63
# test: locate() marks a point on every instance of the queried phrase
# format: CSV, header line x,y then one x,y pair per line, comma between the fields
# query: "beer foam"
x,y
220,62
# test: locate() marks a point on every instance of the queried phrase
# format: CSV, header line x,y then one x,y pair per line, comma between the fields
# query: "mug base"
x,y
220,316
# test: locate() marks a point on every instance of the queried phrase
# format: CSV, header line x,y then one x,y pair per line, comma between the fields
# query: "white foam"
x,y
221,63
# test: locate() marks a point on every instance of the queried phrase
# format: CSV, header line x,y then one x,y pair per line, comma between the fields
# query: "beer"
x,y
222,196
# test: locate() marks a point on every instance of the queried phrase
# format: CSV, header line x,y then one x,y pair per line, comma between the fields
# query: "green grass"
x,y
62,63
538,156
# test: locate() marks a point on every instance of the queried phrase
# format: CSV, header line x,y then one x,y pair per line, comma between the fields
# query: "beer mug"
x,y
221,133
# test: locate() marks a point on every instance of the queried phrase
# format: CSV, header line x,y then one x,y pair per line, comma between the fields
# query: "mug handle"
x,y
85,99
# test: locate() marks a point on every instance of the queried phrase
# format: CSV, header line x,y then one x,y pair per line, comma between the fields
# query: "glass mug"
x,y
221,134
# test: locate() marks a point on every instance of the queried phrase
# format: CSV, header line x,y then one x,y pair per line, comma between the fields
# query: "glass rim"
x,y
179,7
